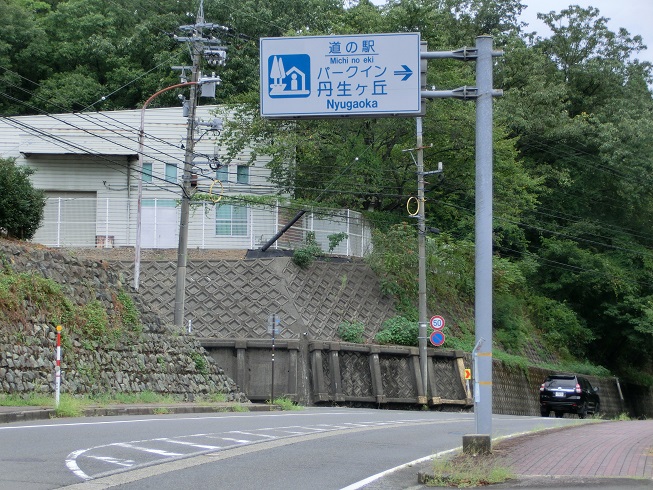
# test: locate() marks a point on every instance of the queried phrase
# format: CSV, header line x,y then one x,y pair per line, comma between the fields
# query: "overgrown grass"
x,y
578,367
623,417
214,398
31,400
132,398
467,471
286,404
147,397
70,407
26,295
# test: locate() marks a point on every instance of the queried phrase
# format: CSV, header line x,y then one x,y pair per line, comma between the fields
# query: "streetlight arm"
x,y
141,137
154,96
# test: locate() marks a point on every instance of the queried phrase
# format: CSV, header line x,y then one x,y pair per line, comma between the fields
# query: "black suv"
x,y
564,393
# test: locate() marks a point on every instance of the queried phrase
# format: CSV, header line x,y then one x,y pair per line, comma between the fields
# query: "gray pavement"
x,y
606,455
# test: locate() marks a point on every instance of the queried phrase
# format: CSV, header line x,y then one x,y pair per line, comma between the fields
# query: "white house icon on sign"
x,y
292,82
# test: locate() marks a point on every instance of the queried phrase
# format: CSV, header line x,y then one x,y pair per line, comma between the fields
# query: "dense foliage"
x,y
572,147
21,206
92,322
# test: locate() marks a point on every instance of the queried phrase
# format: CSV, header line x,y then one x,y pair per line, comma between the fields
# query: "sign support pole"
x,y
274,328
57,370
273,322
483,256
477,394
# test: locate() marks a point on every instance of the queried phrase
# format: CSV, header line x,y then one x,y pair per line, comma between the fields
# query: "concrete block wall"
x,y
234,298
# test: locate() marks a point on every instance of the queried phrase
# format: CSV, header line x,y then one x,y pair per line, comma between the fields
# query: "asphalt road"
x,y
317,448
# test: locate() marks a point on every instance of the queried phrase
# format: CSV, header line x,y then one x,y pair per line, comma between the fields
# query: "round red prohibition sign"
x,y
437,322
437,338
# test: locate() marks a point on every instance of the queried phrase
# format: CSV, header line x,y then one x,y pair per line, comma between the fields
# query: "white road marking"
x,y
370,479
159,419
239,441
120,462
160,452
316,430
267,436
186,443
133,475
71,464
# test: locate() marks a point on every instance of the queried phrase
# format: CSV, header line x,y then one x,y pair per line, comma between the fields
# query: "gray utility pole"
x,y
483,260
421,251
215,55
186,195
483,94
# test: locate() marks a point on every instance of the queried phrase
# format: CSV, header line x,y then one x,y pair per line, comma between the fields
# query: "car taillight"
x,y
577,388
542,387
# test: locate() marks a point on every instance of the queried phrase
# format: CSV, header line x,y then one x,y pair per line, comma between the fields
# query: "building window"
x,y
242,174
171,173
147,173
159,203
222,174
230,220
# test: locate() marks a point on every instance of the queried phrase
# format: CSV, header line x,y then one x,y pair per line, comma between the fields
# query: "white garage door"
x,y
68,220
159,225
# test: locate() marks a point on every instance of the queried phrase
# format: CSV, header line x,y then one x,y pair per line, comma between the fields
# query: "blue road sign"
x,y
356,75
437,338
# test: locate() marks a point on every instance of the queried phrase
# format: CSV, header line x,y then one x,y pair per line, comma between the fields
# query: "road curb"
x,y
26,415
175,409
23,414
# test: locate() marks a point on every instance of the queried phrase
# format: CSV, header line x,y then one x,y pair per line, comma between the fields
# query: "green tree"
x,y
21,39
21,206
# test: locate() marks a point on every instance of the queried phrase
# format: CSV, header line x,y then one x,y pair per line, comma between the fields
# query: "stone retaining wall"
x,y
234,298
158,363
158,360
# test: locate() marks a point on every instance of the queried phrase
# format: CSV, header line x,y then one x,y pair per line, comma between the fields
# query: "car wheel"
x,y
582,412
544,413
597,409
559,414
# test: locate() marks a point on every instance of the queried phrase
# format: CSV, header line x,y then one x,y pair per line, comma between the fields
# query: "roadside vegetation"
x,y
468,471
573,152
21,205
24,296
286,404
73,406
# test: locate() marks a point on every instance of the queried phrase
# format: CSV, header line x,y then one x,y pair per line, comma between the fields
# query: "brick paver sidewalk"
x,y
605,449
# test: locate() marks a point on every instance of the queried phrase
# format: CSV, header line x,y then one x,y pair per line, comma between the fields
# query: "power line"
x,y
88,119
67,144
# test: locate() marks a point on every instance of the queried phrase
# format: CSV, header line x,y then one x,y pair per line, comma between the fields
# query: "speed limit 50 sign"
x,y
437,322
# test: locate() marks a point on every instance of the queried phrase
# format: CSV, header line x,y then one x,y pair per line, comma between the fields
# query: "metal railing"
x,y
111,222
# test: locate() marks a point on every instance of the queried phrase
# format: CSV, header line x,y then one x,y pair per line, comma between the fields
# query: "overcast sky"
x,y
634,15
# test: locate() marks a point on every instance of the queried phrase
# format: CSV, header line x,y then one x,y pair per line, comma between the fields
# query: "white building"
x,y
88,166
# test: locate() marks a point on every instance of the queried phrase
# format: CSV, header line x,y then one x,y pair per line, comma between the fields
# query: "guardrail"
x,y
310,372
325,372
